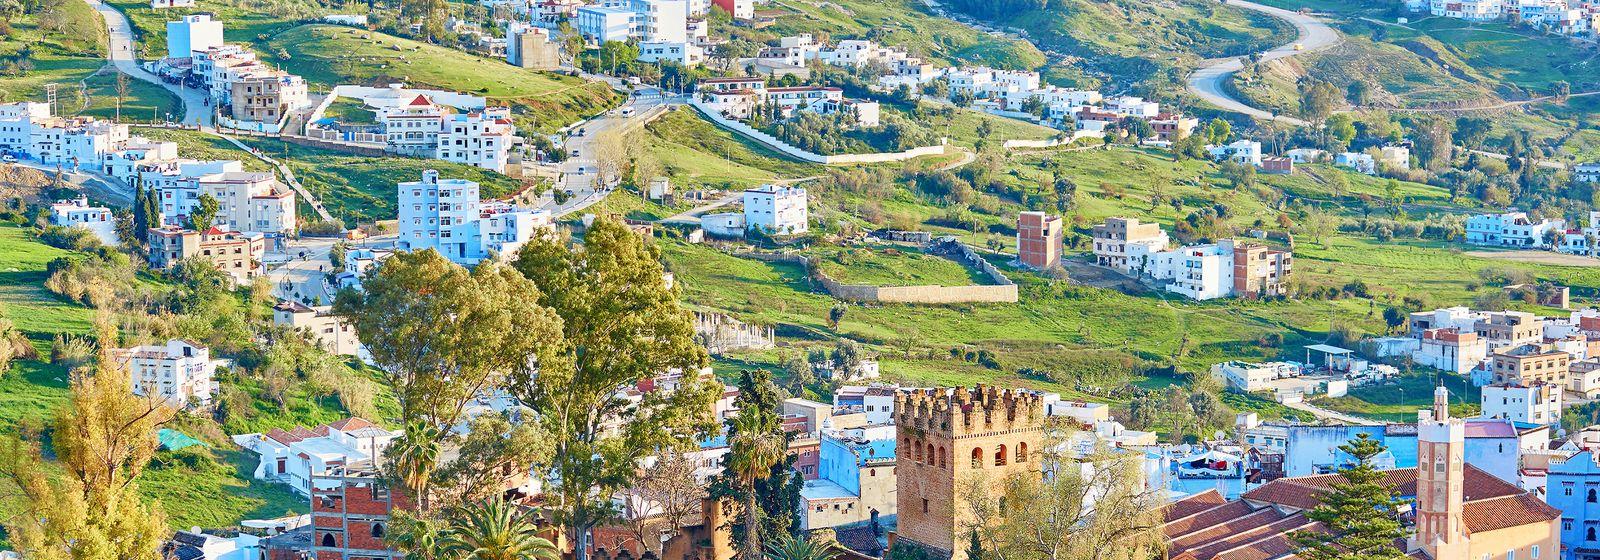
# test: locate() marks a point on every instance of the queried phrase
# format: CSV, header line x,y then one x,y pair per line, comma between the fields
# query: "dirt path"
x,y
1537,257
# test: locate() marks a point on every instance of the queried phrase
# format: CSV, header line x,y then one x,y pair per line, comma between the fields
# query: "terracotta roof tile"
x,y
1238,525
1506,511
280,436
351,423
1193,504
1207,518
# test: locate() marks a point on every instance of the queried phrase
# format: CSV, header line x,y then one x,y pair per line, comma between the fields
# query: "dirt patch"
x,y
1102,277
1538,257
22,182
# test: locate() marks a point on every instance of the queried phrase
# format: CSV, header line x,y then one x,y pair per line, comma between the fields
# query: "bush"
x,y
71,238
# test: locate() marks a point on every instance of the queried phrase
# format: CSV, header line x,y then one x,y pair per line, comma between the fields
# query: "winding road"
x,y
1208,81
120,53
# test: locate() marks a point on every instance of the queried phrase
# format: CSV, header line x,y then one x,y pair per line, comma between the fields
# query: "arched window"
x,y
1022,452
977,457
377,530
917,452
933,459
941,457
1591,496
327,538
1000,456
1590,535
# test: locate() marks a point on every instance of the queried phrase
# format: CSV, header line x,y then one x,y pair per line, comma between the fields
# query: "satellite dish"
x,y
1219,435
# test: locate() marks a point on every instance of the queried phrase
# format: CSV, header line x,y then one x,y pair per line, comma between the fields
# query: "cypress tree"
x,y
140,210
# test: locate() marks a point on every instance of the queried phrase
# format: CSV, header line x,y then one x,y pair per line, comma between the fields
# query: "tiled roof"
x,y
1301,492
1207,518
1194,503
1507,511
280,436
349,424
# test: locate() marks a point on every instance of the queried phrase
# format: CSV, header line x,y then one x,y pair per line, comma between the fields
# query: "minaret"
x,y
1440,440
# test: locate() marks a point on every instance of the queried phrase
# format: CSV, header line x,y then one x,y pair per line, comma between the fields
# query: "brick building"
x,y
1529,364
234,253
946,437
350,514
1039,240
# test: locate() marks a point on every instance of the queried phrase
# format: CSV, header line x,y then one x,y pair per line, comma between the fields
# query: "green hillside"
x,y
64,43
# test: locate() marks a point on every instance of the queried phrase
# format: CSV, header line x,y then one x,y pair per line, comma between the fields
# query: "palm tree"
x,y
753,450
414,456
495,530
788,547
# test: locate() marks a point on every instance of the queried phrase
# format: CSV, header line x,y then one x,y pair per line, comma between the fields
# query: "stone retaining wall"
x,y
1005,291
803,155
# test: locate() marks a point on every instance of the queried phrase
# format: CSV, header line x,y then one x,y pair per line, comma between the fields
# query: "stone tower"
x,y
1440,441
945,438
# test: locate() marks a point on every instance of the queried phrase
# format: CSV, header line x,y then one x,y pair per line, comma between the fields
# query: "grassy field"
x,y
890,265
902,23
1398,400
71,54
695,152
245,21
327,55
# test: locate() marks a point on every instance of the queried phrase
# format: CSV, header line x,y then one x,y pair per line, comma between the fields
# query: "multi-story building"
x,y
350,509
775,209
1587,173
1503,329
855,478
1039,240
192,33
1583,378
875,402
1245,152
1459,318
267,97
238,254
683,54
1529,364
1470,10
179,372
447,216
480,138
1572,485
1451,349
649,21
949,437
531,47
332,332
249,201
1511,229
79,213
1226,268
296,457
1539,403
1125,243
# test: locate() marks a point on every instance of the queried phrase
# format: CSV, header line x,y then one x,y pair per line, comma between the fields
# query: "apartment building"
x,y
1245,152
855,478
1039,240
79,213
1226,268
252,201
192,33
1125,243
739,9
531,47
777,210
479,138
238,254
1539,403
446,215
1529,364
1583,378
267,98
297,457
331,332
1503,329
1512,229
741,98
1451,349
1259,271
650,21
180,372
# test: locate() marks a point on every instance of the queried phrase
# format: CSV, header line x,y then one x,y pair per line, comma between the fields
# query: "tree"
x,y
974,546
1342,129
620,324
1394,317
491,447
756,443
1472,131
140,206
102,440
1319,224
1362,514
846,357
1239,175
495,530
835,315
798,372
1218,131
668,488
1027,515
1358,93
445,336
790,547
201,216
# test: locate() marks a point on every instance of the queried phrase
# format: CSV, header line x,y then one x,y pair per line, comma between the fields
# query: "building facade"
x,y
447,216
79,213
777,210
1039,240
1125,244
179,372
1539,403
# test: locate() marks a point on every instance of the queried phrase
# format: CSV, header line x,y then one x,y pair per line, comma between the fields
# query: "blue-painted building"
x,y
855,478
1491,445
1573,486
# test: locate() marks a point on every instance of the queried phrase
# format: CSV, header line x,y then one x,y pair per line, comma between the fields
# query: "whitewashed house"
x,y
180,372
79,213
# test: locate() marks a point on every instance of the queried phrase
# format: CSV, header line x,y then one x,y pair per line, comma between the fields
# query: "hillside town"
x,y
764,280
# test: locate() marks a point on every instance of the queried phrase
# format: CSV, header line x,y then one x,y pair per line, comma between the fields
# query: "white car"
x,y
8,158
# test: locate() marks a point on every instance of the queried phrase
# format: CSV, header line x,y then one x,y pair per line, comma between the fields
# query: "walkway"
x,y
288,177
1325,414
121,54
1208,81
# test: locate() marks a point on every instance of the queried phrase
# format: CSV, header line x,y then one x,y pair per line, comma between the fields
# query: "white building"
x,y
776,209
1470,10
481,139
1511,229
1361,163
332,332
1249,377
1240,151
876,401
28,130
293,457
600,24
723,224
249,201
180,372
1586,172
78,213
1087,413
447,216
685,54
649,21
192,33
1535,404
163,4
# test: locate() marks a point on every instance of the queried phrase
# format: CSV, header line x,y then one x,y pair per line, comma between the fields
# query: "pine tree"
x,y
974,546
1362,512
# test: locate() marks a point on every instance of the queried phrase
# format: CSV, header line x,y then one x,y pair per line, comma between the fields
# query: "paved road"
x,y
578,175
302,276
121,54
1207,81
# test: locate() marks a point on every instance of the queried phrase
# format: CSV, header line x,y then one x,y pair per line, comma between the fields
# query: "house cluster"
x,y
448,216
1575,18
1228,267
247,93
1515,228
793,54
750,97
417,126
664,30
1506,348
770,209
79,213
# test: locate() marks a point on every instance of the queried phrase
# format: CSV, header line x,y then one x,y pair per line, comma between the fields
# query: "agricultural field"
x,y
65,44
890,265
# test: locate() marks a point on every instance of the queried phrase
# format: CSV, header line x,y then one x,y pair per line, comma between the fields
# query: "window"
x,y
977,457
925,510
1566,524
1591,498
1000,456
1022,452
1511,555
941,457
327,538
1534,552
1589,534
377,530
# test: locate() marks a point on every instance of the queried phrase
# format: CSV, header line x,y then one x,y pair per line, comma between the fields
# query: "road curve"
x,y
1207,81
120,53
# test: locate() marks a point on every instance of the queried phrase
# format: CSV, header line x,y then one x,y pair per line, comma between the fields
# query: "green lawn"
x,y
1398,400
890,265
695,152
906,24
327,55
213,488
72,56
244,21
35,311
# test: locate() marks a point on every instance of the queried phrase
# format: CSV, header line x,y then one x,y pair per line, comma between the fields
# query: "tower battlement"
x,y
962,411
